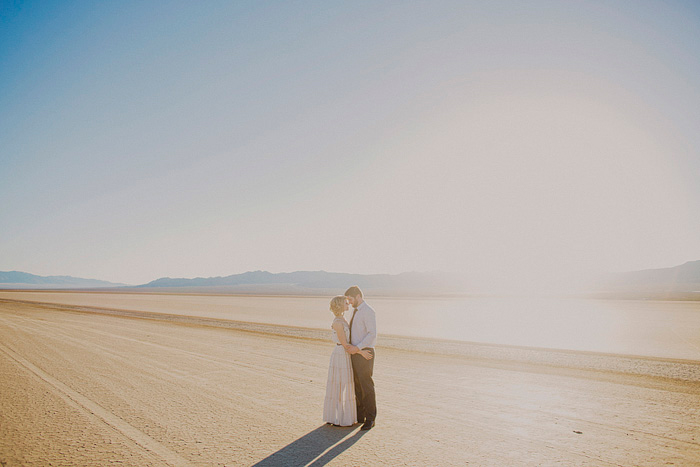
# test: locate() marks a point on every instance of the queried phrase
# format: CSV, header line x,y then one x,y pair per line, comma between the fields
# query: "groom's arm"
x,y
370,322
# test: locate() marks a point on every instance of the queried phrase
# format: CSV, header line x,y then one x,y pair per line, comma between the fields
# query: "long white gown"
x,y
339,407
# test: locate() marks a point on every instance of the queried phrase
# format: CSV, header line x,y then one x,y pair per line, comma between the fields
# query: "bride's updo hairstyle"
x,y
338,305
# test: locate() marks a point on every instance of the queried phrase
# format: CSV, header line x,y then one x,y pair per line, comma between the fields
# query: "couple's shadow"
x,y
307,449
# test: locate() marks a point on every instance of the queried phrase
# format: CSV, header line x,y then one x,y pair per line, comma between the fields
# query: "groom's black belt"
x,y
364,348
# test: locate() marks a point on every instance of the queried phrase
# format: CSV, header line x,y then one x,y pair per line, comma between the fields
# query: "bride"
x,y
339,407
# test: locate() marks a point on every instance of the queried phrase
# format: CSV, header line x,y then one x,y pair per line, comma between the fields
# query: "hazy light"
x,y
516,144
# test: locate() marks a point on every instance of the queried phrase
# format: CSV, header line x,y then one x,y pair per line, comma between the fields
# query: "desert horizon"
x,y
642,328
681,282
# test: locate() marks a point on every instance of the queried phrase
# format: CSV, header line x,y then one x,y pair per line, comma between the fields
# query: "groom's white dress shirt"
x,y
364,327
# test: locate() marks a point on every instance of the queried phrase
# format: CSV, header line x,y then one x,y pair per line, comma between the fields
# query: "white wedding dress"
x,y
339,407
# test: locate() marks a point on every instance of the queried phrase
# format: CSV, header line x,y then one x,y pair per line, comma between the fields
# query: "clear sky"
x,y
502,139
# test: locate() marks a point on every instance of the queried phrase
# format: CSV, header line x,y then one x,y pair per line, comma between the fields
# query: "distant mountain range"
x,y
676,282
23,280
683,277
260,282
313,282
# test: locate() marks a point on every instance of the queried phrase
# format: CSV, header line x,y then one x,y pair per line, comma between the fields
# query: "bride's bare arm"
x,y
349,348
340,332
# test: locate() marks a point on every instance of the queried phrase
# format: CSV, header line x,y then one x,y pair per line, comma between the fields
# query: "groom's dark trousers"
x,y
364,386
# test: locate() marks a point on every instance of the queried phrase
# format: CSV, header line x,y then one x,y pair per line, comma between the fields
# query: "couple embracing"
x,y
350,388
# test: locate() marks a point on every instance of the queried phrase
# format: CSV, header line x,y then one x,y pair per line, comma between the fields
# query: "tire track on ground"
x,y
147,443
35,327
51,332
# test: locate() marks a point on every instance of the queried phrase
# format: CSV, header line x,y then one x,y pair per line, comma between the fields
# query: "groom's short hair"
x,y
353,291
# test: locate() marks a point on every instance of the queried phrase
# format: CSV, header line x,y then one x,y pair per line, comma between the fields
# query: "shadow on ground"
x,y
316,448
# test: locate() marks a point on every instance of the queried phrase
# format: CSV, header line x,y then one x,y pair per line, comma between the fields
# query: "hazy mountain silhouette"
x,y
17,279
679,282
313,281
675,282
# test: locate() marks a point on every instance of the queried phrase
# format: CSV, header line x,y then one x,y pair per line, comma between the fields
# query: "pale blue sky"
x,y
146,139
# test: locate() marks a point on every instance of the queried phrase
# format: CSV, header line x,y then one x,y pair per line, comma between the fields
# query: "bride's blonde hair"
x,y
338,305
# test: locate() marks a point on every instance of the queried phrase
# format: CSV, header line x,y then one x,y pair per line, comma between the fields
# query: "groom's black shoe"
x,y
368,425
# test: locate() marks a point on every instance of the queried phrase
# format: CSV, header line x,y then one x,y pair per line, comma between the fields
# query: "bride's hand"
x,y
366,354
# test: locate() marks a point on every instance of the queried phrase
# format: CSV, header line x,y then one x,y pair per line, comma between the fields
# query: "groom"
x,y
363,335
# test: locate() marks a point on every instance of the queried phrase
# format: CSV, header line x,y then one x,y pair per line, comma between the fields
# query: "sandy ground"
x,y
84,388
